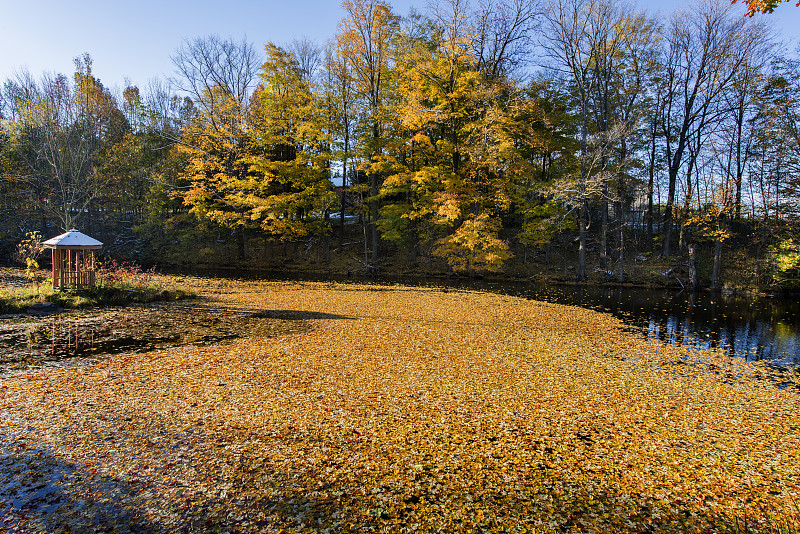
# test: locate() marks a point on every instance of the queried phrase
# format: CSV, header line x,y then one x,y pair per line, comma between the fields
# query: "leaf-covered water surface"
x,y
71,337
402,410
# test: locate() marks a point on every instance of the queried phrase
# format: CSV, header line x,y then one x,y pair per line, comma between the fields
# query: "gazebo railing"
x,y
75,279
73,269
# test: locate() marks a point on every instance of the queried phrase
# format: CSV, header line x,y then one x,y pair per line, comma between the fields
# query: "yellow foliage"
x,y
448,207
474,247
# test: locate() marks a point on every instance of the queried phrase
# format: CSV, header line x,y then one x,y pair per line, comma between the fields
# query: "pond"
x,y
748,327
76,337
744,326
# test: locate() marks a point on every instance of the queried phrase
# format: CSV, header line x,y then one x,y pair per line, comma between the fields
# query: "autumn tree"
x,y
769,150
707,45
762,6
365,38
59,131
775,155
15,186
288,191
458,156
220,76
543,126
436,80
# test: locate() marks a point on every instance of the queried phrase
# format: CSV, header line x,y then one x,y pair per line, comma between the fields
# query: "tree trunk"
x,y
621,243
717,264
244,253
373,186
365,227
343,198
650,183
582,241
341,223
669,216
583,214
604,228
692,268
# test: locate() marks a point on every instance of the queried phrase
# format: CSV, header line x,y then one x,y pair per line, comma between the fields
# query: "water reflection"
x,y
748,327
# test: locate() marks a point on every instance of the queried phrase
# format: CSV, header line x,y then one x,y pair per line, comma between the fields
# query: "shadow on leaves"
x,y
40,493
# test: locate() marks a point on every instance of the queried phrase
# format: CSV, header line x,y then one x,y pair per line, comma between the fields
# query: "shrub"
x,y
28,252
124,274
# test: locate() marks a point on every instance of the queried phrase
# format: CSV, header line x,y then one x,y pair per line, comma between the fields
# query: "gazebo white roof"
x,y
73,239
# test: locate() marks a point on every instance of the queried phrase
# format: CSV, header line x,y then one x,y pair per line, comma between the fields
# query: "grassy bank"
x,y
404,410
18,293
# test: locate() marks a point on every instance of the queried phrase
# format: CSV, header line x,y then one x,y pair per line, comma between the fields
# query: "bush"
x,y
124,275
28,252
786,260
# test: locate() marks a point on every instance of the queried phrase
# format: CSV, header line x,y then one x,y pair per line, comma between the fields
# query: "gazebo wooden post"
x,y
91,280
54,257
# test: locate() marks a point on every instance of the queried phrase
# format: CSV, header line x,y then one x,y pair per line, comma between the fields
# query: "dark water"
x,y
748,327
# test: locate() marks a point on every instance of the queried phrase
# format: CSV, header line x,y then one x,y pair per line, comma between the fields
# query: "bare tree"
x,y
741,106
167,111
308,55
501,32
628,102
575,33
707,45
208,66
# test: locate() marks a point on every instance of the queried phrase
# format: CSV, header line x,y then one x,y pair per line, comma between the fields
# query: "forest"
x,y
473,135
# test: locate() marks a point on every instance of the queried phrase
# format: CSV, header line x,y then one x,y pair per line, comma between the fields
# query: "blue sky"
x,y
135,39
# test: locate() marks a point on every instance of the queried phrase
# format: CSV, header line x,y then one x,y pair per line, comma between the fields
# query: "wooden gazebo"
x,y
73,260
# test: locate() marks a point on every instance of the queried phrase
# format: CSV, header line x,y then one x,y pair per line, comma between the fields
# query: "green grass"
x,y
19,299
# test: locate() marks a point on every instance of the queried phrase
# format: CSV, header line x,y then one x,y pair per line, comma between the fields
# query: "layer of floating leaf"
x,y
413,410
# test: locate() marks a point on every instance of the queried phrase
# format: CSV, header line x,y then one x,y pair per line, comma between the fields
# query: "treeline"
x,y
470,132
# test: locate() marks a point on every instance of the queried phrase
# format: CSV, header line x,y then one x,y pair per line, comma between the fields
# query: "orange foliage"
x,y
762,6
